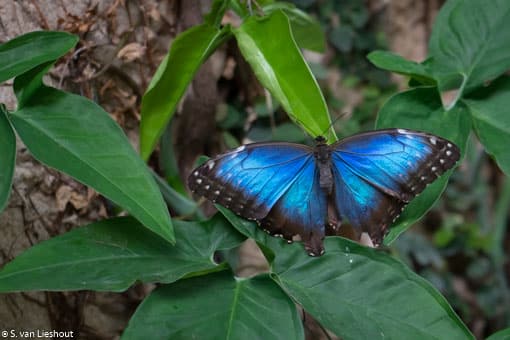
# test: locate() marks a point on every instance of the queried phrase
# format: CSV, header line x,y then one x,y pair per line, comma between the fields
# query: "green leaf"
x,y
74,135
251,230
362,293
355,291
489,111
288,132
7,156
395,63
280,67
218,306
501,335
247,228
168,162
112,254
470,40
421,109
181,204
187,53
218,9
306,30
29,50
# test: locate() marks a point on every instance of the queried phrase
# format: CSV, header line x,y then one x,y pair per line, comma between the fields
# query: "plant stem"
x,y
460,92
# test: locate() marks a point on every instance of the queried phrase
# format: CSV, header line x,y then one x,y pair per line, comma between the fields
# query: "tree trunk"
x,y
121,44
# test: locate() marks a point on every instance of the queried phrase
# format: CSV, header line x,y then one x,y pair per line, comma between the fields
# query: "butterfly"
x,y
300,192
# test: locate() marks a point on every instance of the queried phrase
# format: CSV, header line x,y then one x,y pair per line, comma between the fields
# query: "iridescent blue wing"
x,y
302,211
271,183
377,173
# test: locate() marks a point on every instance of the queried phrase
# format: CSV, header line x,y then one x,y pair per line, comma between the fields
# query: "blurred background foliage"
x,y
460,245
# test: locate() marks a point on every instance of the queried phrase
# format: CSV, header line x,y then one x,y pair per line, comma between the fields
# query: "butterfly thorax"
x,y
322,153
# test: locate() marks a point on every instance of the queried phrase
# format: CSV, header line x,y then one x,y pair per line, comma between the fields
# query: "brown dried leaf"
x,y
78,200
91,193
130,52
62,196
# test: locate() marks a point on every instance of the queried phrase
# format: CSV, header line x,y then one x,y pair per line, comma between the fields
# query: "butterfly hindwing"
x,y
378,173
365,206
302,211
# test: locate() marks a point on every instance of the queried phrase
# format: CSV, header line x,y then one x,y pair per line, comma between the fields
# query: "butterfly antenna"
x,y
331,130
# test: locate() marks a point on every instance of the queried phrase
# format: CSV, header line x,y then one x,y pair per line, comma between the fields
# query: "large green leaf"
x,y
7,156
489,110
187,53
29,50
470,41
395,63
357,292
181,204
421,109
74,135
269,47
217,306
362,293
112,254
305,29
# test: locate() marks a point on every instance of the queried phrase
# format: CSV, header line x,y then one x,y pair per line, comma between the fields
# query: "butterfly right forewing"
x,y
275,184
381,171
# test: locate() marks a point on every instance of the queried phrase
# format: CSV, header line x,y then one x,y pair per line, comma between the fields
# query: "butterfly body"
x,y
322,154
297,191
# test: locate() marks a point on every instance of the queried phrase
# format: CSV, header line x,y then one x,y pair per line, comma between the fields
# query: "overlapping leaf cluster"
x,y
353,291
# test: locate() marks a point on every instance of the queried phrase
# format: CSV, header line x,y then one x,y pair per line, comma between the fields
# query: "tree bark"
x,y
121,44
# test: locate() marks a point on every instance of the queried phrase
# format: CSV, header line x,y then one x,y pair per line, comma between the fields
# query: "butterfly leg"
x,y
334,220
313,243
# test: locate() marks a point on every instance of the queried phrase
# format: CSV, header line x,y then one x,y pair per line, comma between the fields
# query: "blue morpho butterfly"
x,y
301,192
